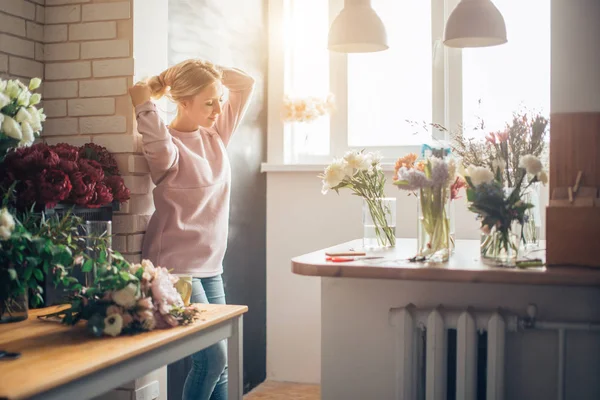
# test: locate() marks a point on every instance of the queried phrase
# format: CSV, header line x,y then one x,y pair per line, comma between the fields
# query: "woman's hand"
x,y
139,93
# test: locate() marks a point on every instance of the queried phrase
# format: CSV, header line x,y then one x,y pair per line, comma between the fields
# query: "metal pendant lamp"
x,y
357,29
475,23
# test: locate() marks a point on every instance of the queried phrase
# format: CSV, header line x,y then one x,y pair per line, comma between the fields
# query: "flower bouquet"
x,y
20,120
127,299
502,209
362,173
433,180
46,175
306,109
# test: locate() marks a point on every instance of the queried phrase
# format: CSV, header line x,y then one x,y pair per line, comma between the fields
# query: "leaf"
x,y
88,265
38,275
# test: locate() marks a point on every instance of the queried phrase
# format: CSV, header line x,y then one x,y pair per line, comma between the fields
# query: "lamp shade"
x,y
475,23
357,29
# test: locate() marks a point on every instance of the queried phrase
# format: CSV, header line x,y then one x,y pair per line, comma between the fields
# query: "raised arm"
x,y
240,86
159,149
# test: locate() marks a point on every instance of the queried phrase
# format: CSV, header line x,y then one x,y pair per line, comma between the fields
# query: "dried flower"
x,y
480,175
532,164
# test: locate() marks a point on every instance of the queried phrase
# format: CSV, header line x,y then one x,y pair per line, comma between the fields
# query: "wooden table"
x,y
464,266
60,362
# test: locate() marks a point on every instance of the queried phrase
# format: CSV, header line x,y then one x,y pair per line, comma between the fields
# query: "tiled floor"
x,y
284,391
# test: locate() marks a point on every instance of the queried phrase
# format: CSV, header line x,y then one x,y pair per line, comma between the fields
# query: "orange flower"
x,y
420,166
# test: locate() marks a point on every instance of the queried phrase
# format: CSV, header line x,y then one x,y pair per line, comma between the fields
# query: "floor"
x,y
284,391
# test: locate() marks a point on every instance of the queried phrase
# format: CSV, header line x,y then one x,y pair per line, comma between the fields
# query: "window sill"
x,y
272,167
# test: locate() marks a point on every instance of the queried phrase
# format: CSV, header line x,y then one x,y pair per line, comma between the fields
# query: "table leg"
x,y
235,357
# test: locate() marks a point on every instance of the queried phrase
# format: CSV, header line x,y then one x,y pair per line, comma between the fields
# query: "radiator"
x,y
413,324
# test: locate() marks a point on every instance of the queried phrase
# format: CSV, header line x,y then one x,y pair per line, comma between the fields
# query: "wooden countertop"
x,y
53,354
464,266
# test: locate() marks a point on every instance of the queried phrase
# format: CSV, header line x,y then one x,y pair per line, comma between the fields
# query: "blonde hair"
x,y
184,80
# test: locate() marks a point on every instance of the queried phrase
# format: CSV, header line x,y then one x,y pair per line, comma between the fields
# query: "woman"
x,y
190,168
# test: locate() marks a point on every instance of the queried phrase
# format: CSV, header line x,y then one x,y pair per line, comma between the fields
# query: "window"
x,y
498,81
417,79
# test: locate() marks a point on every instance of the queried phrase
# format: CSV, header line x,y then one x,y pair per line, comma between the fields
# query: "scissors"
x,y
5,355
346,259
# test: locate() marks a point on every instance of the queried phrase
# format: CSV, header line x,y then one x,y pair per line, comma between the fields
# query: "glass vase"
x,y
452,225
98,233
533,221
433,227
14,308
379,222
500,247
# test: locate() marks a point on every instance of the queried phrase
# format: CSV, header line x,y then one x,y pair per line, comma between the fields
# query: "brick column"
x,y
21,38
88,56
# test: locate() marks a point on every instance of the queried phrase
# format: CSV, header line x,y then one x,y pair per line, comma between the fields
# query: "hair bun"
x,y
158,86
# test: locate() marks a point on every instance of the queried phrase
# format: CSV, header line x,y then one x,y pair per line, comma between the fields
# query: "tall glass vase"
x,y
500,247
97,233
379,222
533,221
433,228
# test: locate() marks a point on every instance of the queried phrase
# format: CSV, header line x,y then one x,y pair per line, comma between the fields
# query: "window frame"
x,y
446,89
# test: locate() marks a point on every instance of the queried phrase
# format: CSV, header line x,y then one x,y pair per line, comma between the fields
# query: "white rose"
x,y
113,324
3,84
23,115
126,297
532,164
1,119
480,175
11,128
7,220
35,99
4,100
28,136
41,115
12,89
543,177
35,122
24,98
356,161
334,174
4,233
34,83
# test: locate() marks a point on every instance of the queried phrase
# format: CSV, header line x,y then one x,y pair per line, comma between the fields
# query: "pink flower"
x,y
146,303
502,136
127,319
164,293
491,138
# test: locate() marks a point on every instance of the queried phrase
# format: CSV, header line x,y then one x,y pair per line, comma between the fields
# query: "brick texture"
x,y
83,51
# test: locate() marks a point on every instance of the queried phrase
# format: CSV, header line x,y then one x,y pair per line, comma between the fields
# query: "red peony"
x,y
27,161
84,189
102,196
100,154
54,186
91,168
66,151
118,188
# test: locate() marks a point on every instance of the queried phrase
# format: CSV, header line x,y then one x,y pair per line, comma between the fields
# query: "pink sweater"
x,y
188,231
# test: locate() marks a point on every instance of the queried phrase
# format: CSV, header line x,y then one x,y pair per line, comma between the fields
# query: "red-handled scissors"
x,y
347,259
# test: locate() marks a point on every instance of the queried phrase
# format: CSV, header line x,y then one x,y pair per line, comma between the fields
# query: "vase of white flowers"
x,y
362,173
20,120
501,209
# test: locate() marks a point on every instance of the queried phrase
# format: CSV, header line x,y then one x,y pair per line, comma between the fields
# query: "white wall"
x,y
300,220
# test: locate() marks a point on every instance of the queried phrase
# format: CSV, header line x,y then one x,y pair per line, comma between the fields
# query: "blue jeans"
x,y
207,379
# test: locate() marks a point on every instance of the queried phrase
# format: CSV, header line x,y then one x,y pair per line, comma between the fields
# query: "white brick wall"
x,y
21,40
93,31
83,51
106,11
